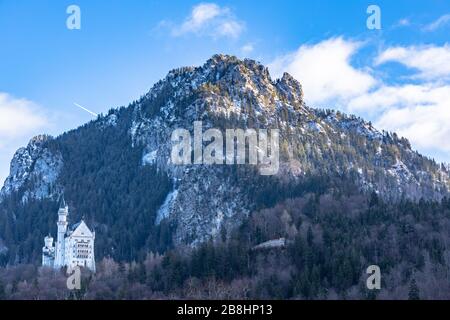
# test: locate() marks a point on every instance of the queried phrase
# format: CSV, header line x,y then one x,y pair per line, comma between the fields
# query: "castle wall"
x,y
72,249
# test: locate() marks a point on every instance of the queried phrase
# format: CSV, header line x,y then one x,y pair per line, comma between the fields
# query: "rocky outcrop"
x,y
34,168
228,93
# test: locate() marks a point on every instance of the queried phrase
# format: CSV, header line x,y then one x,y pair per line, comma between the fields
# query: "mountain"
x,y
117,171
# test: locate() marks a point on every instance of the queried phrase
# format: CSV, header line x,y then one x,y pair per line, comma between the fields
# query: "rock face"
x,y
228,93
224,92
34,168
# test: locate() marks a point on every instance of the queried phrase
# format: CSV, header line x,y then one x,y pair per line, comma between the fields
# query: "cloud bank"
x,y
438,23
210,19
19,119
418,108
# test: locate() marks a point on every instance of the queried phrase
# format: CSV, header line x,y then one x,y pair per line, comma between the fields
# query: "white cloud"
x,y
200,16
325,71
211,20
440,22
19,120
398,96
424,121
403,22
247,48
419,110
18,117
433,62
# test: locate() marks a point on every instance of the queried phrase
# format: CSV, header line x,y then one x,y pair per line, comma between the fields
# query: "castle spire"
x,y
62,202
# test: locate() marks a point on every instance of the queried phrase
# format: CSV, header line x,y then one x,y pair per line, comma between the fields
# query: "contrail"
x,y
93,113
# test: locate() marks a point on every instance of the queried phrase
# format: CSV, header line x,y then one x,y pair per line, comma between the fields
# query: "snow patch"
x,y
271,244
3,248
217,223
164,211
314,126
400,171
111,120
149,158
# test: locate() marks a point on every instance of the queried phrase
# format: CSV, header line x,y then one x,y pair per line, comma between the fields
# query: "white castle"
x,y
74,245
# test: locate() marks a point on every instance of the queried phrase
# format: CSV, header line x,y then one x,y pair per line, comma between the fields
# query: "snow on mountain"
x,y
34,167
224,93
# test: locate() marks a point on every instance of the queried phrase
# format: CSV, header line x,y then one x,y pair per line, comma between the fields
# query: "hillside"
x,y
116,171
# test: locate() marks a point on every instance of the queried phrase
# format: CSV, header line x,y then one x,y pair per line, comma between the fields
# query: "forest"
x,y
330,240
349,197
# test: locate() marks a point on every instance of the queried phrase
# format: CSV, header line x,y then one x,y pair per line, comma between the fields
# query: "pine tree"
x,y
2,291
413,291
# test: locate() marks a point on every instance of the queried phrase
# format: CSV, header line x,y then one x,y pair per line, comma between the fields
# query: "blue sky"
x,y
397,77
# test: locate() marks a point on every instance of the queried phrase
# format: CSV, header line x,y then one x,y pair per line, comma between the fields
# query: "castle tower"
x,y
74,245
48,241
62,229
48,252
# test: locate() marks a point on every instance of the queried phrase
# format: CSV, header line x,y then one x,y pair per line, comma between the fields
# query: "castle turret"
x,y
63,212
48,252
48,242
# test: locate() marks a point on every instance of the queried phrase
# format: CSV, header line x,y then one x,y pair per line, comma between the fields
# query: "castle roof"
x,y
80,229
72,227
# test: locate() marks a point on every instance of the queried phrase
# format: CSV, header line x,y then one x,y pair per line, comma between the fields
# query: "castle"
x,y
74,245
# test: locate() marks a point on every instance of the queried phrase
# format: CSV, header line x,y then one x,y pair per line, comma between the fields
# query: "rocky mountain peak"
x,y
290,88
36,165
226,87
38,141
225,93
225,63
